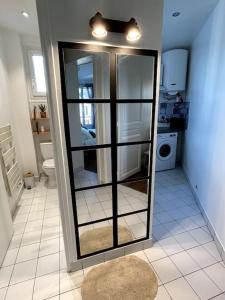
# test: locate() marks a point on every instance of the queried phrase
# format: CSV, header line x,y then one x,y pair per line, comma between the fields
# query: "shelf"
x,y
38,119
41,133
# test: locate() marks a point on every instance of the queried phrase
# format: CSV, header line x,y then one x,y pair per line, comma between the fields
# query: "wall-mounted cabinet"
x,y
175,70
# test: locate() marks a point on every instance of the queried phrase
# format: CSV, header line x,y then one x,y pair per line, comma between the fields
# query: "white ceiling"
x,y
11,18
177,32
180,31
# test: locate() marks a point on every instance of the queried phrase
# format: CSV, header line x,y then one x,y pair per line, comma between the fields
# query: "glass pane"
x,y
86,74
94,204
39,73
89,124
132,227
135,77
132,196
92,167
132,161
134,122
96,237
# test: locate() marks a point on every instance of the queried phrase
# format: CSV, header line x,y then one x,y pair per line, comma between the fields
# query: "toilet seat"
x,y
49,164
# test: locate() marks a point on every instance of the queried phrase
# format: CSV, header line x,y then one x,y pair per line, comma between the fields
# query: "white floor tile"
x,y
162,294
3,293
28,252
170,245
166,270
16,241
5,274
202,256
71,295
202,285
46,286
155,253
10,257
47,264
180,289
217,274
62,260
49,247
23,271
184,263
23,291
31,238
212,249
160,232
186,240
220,297
201,235
70,281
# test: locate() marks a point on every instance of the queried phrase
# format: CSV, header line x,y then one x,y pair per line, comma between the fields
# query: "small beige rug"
x,y
125,278
102,238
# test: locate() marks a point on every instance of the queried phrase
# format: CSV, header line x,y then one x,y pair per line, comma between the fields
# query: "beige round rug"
x,y
125,278
102,238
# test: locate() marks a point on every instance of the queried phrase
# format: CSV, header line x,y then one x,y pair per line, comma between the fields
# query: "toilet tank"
x,y
47,150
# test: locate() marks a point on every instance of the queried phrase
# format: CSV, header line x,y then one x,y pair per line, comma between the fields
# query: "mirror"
x,y
86,74
94,204
135,75
132,227
88,116
134,122
92,167
89,124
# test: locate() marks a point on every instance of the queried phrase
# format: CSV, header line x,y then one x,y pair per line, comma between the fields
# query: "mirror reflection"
x,y
94,204
86,74
134,122
89,124
132,227
96,237
92,167
132,162
135,75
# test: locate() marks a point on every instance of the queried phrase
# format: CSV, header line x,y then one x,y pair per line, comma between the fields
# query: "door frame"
x,y
113,101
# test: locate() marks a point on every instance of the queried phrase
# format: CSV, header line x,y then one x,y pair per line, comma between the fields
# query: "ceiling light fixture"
x,y
101,26
25,14
176,14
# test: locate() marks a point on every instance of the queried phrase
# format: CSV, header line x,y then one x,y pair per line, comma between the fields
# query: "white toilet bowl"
x,y
49,169
48,163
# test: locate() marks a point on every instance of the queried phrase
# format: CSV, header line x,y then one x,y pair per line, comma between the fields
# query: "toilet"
x,y
48,163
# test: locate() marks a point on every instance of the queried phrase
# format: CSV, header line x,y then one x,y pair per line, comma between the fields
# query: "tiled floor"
x,y
96,204
184,256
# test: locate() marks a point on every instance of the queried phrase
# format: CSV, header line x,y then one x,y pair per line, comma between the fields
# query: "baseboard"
x,y
216,239
109,255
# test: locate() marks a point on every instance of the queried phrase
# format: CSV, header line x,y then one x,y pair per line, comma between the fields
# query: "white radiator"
x,y
10,167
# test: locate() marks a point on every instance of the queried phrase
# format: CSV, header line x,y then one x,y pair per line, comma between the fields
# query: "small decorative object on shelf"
x,y
42,108
42,128
37,127
35,107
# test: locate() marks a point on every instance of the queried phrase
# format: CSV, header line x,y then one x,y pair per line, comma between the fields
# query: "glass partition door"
x,y
108,99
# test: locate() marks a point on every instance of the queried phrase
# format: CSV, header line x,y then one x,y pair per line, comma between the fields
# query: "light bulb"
x,y
25,14
134,34
99,31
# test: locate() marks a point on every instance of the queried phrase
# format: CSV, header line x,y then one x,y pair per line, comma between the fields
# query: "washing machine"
x,y
166,151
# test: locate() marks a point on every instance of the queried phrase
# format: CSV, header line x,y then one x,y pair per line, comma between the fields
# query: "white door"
x,y
129,130
134,82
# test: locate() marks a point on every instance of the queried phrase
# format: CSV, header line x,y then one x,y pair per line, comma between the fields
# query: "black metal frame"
x,y
113,101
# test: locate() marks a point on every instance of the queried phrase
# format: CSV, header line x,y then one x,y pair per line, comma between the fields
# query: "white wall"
x,y
205,138
6,228
17,101
68,21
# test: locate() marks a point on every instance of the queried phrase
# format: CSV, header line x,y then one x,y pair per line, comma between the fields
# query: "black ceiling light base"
x,y
113,25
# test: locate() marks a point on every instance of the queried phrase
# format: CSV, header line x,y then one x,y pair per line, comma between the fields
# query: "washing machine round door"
x,y
164,150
